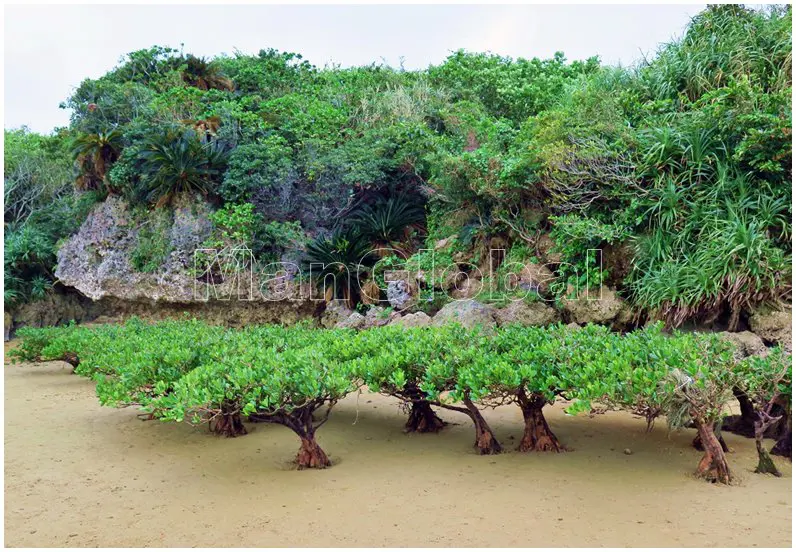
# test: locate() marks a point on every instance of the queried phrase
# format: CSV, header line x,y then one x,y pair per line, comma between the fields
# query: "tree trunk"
x,y
229,424
485,440
697,443
71,359
537,436
422,418
783,445
713,465
311,455
764,464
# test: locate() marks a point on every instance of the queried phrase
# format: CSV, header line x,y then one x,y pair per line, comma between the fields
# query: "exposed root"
x,y
422,419
228,425
713,465
311,455
538,436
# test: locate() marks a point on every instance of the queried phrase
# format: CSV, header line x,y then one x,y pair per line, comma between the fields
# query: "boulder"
x,y
400,293
414,320
468,313
746,344
598,306
335,313
379,316
536,277
444,244
355,321
467,288
370,293
520,312
773,326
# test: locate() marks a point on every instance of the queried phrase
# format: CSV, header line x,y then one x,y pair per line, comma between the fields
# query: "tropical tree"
x,y
337,263
767,381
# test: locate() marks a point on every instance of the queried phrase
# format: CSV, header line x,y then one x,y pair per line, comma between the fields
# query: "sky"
x,y
50,49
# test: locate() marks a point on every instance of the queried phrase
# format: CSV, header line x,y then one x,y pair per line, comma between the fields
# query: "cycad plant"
x,y
388,222
338,263
94,154
179,162
204,75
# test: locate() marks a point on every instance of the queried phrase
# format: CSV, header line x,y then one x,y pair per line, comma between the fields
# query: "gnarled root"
x,y
422,419
537,435
228,425
713,465
311,455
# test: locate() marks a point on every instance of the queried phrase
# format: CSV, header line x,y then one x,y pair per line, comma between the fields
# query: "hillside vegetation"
x,y
684,162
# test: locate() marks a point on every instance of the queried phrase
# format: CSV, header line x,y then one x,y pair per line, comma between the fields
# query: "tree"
x,y
337,263
697,389
767,383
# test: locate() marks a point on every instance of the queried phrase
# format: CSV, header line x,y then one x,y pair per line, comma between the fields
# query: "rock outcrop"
x,y
468,313
746,344
533,314
414,320
773,326
598,306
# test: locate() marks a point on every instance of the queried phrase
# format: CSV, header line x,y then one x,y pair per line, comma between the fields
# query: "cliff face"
x,y
97,260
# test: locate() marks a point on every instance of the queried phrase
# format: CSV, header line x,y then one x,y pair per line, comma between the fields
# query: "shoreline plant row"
x,y
189,371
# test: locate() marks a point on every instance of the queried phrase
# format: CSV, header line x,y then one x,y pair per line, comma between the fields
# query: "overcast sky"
x,y
49,50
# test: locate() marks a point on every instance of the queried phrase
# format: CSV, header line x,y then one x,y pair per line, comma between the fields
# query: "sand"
x,y
77,474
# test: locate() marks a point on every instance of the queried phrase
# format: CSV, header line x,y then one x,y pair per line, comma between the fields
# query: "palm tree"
x,y
205,75
174,163
95,153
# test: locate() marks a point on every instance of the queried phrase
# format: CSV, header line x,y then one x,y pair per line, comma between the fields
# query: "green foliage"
x,y
338,262
189,371
686,157
152,247
179,163
388,219
263,165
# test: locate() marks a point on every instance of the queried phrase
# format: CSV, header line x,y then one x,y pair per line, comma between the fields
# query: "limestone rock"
x,y
545,245
370,293
536,277
520,312
773,326
468,313
355,321
746,344
9,322
379,316
599,306
335,313
414,320
400,294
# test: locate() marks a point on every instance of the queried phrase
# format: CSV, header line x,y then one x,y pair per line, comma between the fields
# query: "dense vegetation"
x,y
190,371
685,159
